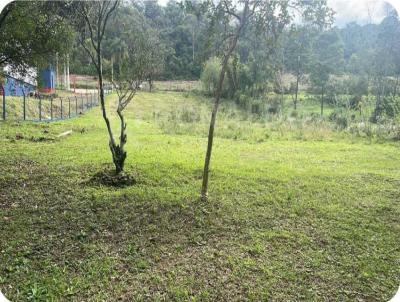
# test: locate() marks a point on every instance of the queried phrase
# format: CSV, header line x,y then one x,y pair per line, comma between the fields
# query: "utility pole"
x,y
65,76
68,81
57,75
297,81
112,72
193,43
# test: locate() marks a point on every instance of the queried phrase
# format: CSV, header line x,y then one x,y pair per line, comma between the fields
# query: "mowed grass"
x,y
290,217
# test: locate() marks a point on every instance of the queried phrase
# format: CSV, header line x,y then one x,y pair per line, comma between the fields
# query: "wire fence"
x,y
46,107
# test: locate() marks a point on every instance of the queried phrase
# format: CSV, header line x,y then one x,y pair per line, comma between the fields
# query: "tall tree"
x,y
298,55
269,18
327,59
387,64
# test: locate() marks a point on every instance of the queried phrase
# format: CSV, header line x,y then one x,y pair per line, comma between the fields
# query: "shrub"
x,y
386,109
210,76
189,115
339,117
274,104
258,107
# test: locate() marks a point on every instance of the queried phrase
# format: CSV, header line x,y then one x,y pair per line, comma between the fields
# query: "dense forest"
x,y
338,66
185,37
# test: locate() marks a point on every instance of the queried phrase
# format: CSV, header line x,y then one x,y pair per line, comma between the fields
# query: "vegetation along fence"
x,y
173,85
46,107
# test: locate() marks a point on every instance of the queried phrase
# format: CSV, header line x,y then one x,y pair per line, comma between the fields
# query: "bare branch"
x,y
89,53
86,16
229,11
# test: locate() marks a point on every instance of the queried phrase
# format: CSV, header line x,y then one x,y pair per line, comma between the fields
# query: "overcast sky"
x,y
360,11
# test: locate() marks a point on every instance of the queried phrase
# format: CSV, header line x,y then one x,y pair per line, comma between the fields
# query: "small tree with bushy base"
x,y
133,69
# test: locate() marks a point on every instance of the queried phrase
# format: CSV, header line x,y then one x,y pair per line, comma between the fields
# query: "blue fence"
x,y
46,108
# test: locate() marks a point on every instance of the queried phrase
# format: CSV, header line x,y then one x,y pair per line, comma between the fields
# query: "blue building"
x,y
16,84
47,80
15,87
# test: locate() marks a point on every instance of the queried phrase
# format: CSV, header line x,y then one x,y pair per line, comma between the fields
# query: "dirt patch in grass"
x,y
35,139
109,178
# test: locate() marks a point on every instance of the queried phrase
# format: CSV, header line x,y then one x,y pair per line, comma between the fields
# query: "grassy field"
x,y
297,211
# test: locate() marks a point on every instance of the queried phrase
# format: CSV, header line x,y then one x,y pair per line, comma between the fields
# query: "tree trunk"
x,y
296,93
118,151
396,86
204,188
297,82
115,150
322,102
150,84
192,43
378,99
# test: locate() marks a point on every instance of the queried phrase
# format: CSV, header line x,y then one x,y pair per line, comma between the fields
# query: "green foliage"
x,y
35,31
340,117
327,58
210,75
388,107
297,49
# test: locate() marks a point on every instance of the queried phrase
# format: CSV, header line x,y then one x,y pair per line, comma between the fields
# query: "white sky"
x,y
361,11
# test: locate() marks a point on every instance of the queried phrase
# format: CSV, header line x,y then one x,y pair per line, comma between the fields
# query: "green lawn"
x,y
296,211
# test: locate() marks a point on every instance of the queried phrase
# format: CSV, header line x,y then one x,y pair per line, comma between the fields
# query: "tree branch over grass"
x,y
131,72
93,17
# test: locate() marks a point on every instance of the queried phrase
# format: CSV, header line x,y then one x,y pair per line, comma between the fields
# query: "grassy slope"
x,y
71,104
290,218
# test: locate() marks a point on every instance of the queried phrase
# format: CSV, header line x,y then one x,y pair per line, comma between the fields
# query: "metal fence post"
x,y
76,106
69,107
40,108
61,108
24,107
83,109
51,108
87,103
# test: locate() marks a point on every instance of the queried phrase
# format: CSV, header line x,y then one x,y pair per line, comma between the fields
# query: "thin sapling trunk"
x,y
231,48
